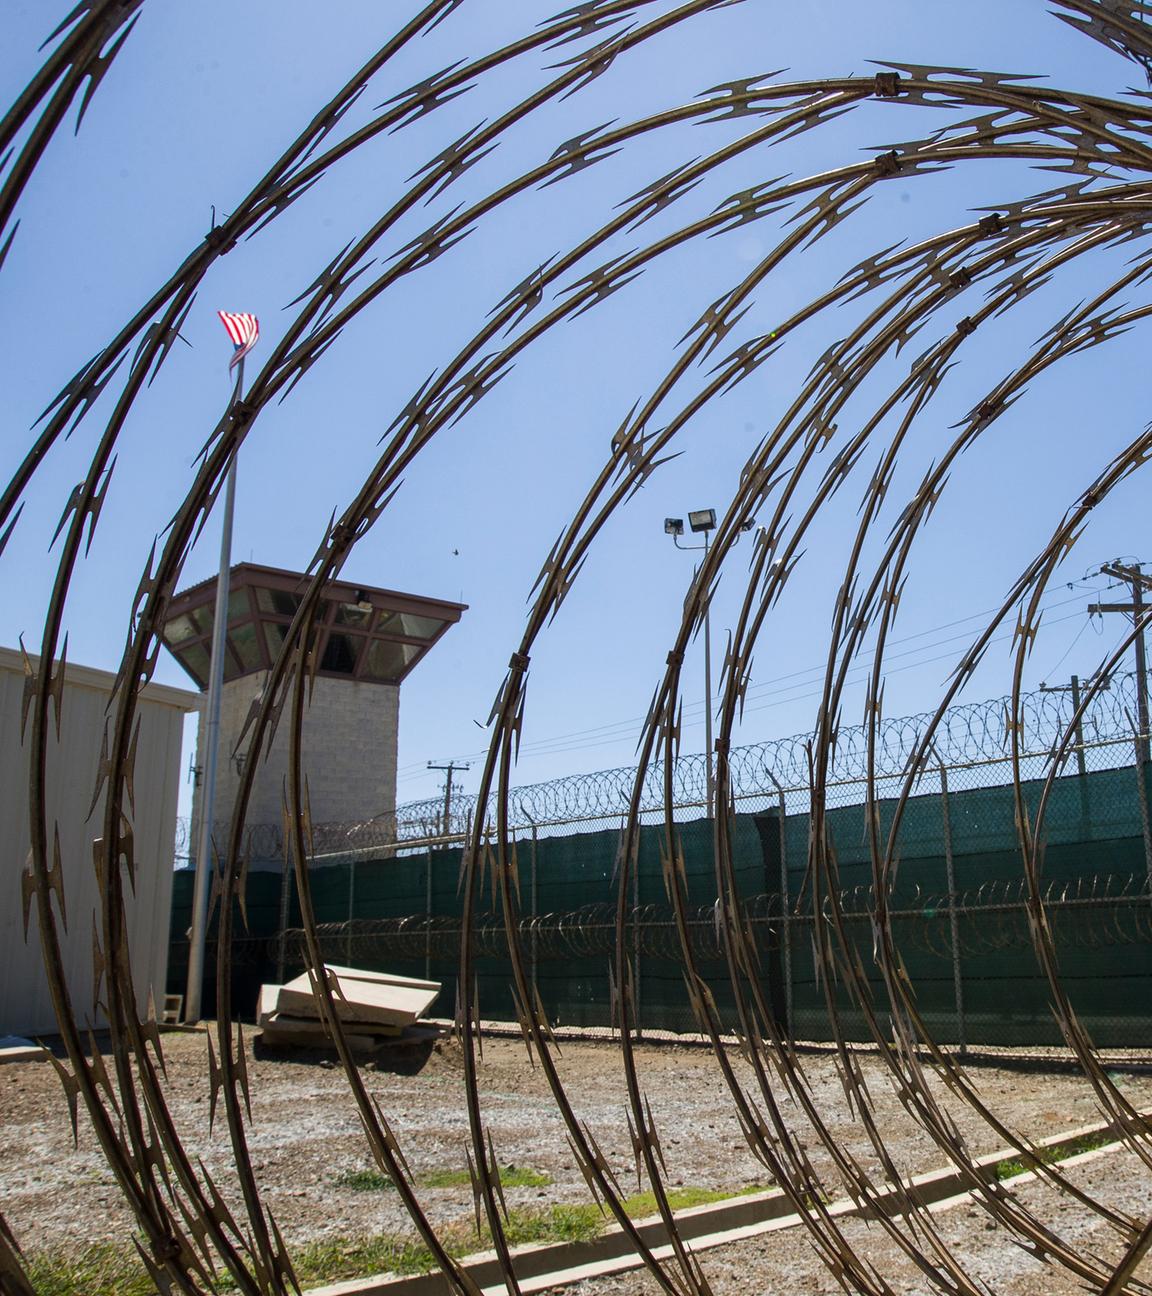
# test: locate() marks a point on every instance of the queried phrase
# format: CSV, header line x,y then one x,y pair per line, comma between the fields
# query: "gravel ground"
x,y
305,1136
786,1263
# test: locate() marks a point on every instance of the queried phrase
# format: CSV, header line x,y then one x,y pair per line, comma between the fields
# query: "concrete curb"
x,y
542,1266
20,1053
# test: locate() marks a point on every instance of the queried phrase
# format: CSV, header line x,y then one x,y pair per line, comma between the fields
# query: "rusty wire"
x,y
187,1231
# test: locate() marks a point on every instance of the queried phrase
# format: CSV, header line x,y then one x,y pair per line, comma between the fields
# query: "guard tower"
x,y
369,640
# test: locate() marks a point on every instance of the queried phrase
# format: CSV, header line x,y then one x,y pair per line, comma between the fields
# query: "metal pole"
x,y
786,918
450,769
447,803
351,910
535,942
636,997
1145,822
1133,576
1081,763
953,919
287,874
428,918
708,774
1141,671
1081,768
211,746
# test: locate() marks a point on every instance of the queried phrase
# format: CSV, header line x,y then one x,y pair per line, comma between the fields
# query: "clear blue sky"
x,y
204,96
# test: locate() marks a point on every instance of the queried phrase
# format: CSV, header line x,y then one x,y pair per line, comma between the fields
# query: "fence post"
x,y
1145,824
287,873
351,911
1081,763
1138,744
636,997
534,944
785,916
953,918
428,920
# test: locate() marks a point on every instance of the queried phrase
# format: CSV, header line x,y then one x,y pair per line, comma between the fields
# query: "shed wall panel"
x,y
73,762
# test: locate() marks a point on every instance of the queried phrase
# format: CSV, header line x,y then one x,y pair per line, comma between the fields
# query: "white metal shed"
x,y
25,1004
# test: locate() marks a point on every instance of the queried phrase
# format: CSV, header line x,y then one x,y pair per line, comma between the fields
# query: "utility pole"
x,y
1074,689
1134,576
449,769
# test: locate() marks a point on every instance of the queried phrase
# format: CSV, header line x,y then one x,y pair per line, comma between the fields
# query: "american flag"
x,y
244,330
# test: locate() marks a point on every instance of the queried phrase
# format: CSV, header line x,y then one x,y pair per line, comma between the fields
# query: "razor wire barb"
x,y
188,1233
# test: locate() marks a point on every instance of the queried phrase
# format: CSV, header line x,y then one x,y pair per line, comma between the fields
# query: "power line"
x,y
613,734
813,693
693,711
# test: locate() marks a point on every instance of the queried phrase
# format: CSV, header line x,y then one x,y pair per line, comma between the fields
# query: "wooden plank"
x,y
374,997
314,1037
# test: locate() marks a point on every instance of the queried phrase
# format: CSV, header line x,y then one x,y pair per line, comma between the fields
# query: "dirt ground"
x,y
306,1138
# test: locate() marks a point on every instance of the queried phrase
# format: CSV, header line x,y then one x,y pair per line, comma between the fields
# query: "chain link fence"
x,y
387,896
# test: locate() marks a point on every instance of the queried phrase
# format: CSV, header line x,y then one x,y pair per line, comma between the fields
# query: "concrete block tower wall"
x,y
349,753
367,641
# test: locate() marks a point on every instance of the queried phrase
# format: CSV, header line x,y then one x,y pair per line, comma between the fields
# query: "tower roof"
x,y
364,633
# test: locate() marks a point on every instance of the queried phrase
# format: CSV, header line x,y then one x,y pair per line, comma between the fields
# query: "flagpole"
x,y
211,744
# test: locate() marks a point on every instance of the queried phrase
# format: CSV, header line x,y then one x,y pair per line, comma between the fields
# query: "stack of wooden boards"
x,y
373,1008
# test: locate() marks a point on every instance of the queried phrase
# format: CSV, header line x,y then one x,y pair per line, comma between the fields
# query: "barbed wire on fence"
x,y
1089,913
970,735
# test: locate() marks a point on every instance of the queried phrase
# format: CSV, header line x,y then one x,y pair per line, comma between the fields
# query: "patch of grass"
x,y
1012,1166
1009,1169
1087,1143
511,1176
103,1269
107,1269
338,1259
577,1222
342,1258
563,1222
365,1181
642,1204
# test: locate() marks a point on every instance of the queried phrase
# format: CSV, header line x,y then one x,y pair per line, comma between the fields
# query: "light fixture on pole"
x,y
703,521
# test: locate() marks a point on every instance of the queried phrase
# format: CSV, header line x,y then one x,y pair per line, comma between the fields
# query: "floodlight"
x,y
674,526
702,520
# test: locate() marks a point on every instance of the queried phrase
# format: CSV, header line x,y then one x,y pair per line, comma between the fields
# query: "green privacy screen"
x,y
958,901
